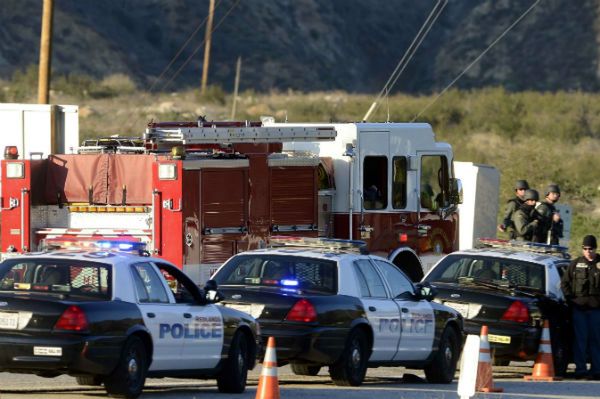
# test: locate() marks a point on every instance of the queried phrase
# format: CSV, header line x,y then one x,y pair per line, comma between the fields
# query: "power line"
x,y
410,52
477,59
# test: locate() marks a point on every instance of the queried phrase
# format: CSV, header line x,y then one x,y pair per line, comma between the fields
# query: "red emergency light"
x,y
11,152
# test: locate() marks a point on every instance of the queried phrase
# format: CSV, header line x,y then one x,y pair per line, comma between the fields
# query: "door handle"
x,y
404,310
372,308
151,315
187,315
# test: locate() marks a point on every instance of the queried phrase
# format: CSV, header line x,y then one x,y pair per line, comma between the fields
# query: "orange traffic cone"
x,y
268,384
485,380
543,369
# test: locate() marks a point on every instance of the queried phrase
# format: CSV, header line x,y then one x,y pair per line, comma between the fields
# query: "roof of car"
x,y
318,253
522,255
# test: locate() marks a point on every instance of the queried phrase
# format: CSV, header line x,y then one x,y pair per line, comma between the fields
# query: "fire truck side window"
x,y
375,182
399,183
434,182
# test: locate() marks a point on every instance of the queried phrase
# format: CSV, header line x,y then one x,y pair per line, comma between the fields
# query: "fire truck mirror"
x,y
456,191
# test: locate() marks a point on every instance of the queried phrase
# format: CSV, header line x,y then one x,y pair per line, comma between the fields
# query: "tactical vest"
x,y
586,279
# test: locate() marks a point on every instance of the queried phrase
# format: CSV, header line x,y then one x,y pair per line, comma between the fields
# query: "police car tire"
x,y
441,370
121,383
304,369
94,380
233,376
351,367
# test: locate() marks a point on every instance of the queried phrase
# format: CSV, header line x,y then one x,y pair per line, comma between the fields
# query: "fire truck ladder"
x,y
164,137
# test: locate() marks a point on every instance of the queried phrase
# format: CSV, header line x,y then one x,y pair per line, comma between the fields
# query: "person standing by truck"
x,y
551,225
526,219
512,205
581,286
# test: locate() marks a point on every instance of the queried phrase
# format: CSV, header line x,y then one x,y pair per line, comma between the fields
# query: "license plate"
x,y
47,351
462,308
9,321
253,310
499,339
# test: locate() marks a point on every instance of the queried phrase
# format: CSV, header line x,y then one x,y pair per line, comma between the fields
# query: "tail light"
x,y
518,312
72,319
302,311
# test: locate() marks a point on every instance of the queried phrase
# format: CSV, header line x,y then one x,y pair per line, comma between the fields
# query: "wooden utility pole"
x,y
238,67
45,53
207,38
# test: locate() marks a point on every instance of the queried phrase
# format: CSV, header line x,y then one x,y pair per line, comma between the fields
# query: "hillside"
x,y
308,45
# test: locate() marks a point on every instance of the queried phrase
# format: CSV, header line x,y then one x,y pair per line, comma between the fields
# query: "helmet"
x,y
521,184
552,188
531,195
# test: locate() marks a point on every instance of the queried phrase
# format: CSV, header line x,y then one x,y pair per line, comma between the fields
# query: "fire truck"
x,y
200,192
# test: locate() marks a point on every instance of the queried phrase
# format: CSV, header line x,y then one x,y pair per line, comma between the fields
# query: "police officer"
x,y
551,225
525,219
512,205
581,286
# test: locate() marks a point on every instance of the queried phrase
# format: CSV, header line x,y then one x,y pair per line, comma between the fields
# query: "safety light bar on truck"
x,y
333,244
535,247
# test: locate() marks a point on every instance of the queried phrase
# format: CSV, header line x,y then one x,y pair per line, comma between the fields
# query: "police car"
x,y
115,318
327,304
511,287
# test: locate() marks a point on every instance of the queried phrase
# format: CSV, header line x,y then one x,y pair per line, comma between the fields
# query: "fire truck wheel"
x,y
232,378
128,378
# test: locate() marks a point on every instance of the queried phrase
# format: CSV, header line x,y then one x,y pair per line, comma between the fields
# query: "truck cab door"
x,y
437,224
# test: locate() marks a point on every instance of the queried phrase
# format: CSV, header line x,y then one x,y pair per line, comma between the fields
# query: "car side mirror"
x,y
425,291
211,293
456,191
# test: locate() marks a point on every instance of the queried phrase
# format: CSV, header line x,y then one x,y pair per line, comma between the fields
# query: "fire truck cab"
x,y
204,191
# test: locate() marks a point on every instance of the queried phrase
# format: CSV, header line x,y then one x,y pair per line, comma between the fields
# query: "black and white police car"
x,y
115,318
329,305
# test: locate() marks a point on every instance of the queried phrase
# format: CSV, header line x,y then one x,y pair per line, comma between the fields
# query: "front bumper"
x,y
509,342
305,344
79,354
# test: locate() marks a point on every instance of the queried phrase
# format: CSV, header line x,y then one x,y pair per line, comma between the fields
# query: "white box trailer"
x,y
479,211
39,128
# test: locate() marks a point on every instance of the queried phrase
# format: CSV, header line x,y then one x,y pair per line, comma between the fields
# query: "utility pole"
x,y
45,52
238,67
207,38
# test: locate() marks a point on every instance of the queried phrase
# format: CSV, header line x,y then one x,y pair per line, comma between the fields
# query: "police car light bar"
x,y
120,244
333,244
525,246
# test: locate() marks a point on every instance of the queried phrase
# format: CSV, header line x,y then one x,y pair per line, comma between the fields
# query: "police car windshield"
x,y
79,279
489,271
280,271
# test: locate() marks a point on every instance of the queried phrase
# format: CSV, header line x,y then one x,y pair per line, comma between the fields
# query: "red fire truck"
x,y
203,191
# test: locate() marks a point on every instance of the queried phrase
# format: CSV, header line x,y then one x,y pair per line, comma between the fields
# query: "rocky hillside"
x,y
307,45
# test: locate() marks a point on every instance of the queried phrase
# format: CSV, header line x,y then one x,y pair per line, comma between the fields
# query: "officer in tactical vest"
x,y
511,207
551,225
581,286
526,218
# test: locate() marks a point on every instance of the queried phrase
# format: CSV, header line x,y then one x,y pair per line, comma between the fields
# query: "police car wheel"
x,y
233,376
94,380
351,367
128,378
303,369
441,370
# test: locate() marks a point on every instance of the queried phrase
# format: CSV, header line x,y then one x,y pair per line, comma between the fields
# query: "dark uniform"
x,y
512,205
581,286
550,231
525,219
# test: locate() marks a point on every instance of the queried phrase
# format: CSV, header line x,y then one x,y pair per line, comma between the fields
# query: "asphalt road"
x,y
381,383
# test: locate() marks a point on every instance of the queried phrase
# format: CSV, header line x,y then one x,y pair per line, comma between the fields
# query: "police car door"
x,y
382,311
418,326
202,329
156,307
